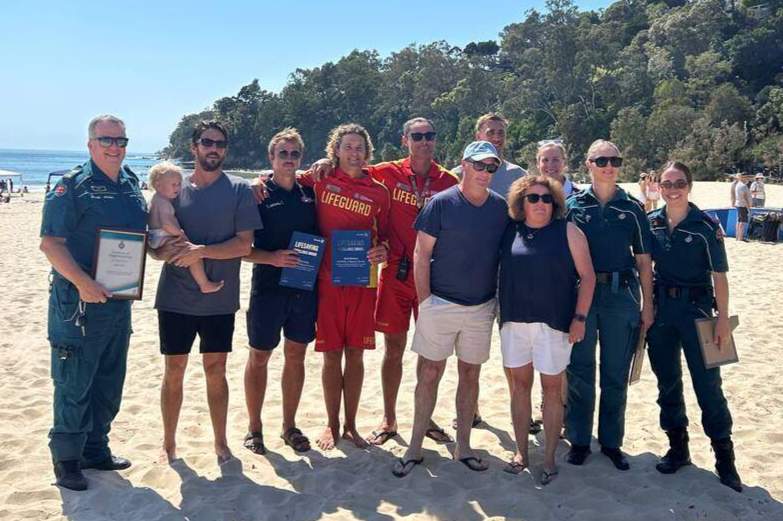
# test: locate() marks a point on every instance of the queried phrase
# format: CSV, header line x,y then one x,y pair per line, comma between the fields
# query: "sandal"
x,y
381,437
547,476
439,435
514,467
474,463
403,467
475,423
254,442
536,426
294,438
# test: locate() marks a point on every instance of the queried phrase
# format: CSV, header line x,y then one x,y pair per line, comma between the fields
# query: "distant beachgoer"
x,y
743,203
733,188
47,187
643,181
166,179
653,194
690,281
89,333
757,192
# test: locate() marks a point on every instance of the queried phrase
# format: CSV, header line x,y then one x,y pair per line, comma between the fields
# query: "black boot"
x,y
578,454
69,475
678,454
724,463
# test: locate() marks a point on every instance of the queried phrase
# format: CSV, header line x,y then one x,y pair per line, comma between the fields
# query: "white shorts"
x,y
444,328
523,343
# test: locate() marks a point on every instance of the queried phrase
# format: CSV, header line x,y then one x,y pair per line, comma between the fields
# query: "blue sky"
x,y
153,62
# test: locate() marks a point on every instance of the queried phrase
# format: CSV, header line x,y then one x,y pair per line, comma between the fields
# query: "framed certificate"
x,y
713,354
119,261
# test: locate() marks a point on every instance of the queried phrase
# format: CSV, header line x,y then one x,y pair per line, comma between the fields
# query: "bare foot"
x,y
355,437
223,453
167,454
328,439
211,287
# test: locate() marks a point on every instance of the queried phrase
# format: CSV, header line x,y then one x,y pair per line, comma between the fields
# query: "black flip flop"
x,y
474,463
406,466
378,438
439,435
254,442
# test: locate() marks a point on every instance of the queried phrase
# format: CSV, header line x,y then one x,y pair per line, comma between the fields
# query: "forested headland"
x,y
699,81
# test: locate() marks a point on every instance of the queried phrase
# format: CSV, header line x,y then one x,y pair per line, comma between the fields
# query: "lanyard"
x,y
420,196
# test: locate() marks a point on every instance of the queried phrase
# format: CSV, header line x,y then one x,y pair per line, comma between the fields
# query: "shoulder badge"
x,y
60,190
74,172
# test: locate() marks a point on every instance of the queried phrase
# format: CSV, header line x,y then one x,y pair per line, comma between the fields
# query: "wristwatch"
x,y
579,317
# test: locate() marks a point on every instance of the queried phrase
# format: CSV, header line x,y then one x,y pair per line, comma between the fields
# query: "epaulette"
x,y
130,172
635,200
74,172
656,219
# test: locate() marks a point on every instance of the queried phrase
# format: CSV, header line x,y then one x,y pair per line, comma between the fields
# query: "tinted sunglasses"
x,y
603,161
106,141
418,136
679,184
285,154
534,198
480,167
207,143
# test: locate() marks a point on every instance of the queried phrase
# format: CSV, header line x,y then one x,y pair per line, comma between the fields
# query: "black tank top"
x,y
538,279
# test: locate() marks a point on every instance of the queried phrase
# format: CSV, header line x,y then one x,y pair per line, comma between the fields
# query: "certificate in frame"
x,y
119,261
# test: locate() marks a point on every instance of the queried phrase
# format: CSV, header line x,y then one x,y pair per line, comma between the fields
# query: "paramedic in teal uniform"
x,y
88,332
619,237
690,281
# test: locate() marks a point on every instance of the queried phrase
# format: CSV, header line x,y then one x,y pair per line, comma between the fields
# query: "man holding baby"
x,y
218,215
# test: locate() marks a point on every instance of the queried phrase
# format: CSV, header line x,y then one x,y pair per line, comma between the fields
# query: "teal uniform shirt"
x,y
615,232
691,252
86,199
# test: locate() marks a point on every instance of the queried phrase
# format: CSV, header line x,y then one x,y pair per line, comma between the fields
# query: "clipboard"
x,y
713,355
637,360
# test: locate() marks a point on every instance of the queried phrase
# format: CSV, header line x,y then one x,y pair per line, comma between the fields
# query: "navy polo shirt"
x,y
86,199
691,252
283,212
615,231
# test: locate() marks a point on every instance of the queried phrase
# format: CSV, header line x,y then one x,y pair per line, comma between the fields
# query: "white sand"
x,y
348,483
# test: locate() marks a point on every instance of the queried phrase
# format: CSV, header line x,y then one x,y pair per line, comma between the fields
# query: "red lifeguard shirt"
x,y
398,177
347,203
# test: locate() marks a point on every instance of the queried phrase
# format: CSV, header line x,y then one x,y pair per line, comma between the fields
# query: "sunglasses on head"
x,y
207,143
285,154
418,136
679,184
480,167
106,141
534,198
603,161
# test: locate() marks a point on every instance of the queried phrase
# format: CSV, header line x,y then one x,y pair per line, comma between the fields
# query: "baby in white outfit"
x,y
166,179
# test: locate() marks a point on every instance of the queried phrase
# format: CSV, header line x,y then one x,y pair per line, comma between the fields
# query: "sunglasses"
x,y
480,167
534,198
679,184
418,136
603,161
208,143
106,141
285,154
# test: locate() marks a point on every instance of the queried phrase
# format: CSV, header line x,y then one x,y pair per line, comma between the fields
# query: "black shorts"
x,y
178,331
742,214
295,313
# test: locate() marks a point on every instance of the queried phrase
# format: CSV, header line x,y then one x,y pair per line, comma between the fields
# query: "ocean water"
x,y
35,165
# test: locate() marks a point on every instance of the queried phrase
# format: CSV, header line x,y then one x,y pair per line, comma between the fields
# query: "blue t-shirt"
x,y
465,258
209,215
283,212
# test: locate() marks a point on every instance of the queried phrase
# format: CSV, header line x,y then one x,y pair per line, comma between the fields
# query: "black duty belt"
x,y
622,277
684,292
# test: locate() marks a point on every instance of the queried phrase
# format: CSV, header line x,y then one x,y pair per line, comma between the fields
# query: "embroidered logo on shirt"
x,y
60,190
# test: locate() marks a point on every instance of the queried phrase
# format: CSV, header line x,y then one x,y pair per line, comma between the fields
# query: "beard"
x,y
210,164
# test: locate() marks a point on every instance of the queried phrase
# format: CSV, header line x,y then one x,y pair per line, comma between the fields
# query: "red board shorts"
x,y
396,301
345,317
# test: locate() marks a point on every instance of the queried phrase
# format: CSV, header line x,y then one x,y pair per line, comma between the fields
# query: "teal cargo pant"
x,y
613,322
89,353
672,332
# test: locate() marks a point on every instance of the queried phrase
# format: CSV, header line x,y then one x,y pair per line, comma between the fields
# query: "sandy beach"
x,y
348,483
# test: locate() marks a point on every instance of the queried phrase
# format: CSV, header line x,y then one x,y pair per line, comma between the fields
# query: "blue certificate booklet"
x,y
310,251
350,266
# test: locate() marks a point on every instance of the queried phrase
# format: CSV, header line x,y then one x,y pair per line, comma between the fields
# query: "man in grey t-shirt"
x,y
743,203
492,127
218,214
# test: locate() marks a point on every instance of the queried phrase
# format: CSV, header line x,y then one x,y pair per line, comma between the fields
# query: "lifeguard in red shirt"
x,y
347,200
411,182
